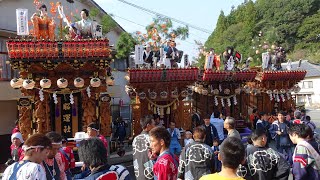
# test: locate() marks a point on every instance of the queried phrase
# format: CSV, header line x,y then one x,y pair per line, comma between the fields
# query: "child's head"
x,y
259,137
216,142
199,134
232,153
188,135
159,139
172,125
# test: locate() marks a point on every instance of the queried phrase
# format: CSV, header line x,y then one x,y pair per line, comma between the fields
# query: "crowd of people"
x,y
158,152
209,154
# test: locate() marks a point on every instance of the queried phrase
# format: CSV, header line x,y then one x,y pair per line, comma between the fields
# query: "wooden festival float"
x,y
64,84
162,91
222,90
63,81
271,90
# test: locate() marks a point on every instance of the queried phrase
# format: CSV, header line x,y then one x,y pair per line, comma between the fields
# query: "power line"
x,y
162,15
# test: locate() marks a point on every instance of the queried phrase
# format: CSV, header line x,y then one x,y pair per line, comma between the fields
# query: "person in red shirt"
x,y
67,158
166,166
16,147
93,131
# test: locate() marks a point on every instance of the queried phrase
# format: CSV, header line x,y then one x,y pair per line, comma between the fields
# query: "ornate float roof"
x,y
221,76
296,75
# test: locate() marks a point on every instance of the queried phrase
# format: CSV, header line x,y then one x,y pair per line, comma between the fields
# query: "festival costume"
x,y
84,28
148,57
306,162
141,163
114,172
283,141
175,146
68,160
120,131
210,61
211,134
166,166
17,153
24,170
188,141
43,27
172,55
54,168
196,160
217,162
217,176
263,164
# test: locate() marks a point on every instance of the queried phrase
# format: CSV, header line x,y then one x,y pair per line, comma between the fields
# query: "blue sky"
x,y
201,13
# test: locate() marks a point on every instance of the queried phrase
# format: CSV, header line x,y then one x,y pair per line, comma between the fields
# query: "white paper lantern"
x,y
78,82
95,82
62,83
16,83
142,95
45,83
28,84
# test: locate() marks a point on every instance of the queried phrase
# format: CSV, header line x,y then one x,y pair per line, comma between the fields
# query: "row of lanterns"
x,y
78,82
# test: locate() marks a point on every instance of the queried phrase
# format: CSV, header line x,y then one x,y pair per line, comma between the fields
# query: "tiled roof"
x,y
312,69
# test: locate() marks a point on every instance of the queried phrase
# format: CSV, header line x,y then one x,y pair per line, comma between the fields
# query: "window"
x,y
307,85
119,64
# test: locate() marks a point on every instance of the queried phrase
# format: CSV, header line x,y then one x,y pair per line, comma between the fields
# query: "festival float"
x,y
63,80
156,84
235,90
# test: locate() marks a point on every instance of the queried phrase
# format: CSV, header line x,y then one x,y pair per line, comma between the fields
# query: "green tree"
x,y
125,45
106,22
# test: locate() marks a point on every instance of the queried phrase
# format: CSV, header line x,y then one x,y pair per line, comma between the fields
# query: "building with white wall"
x,y
309,94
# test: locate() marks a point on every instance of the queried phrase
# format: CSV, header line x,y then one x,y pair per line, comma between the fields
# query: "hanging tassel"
x,y
222,102
149,106
161,112
41,95
154,110
55,99
216,101
174,106
168,110
229,102
235,100
71,99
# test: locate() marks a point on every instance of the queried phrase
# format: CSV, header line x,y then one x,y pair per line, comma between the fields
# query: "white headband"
x,y
94,129
57,143
26,148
